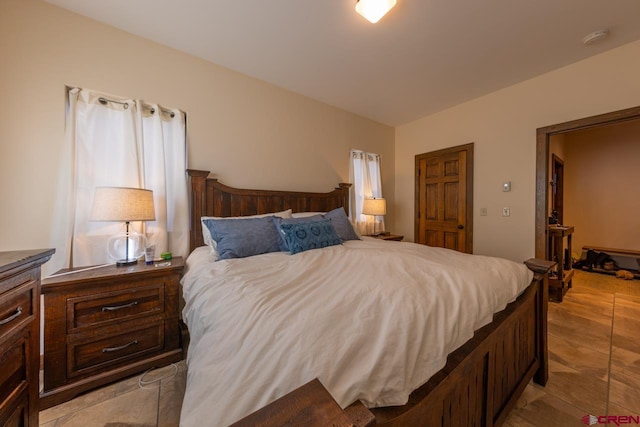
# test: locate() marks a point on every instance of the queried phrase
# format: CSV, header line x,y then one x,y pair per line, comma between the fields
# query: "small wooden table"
x,y
560,280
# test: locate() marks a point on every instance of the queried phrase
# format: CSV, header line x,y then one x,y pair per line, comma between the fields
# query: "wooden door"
x,y
444,198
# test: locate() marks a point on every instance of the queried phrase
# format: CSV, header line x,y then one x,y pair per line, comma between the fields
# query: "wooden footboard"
x,y
484,378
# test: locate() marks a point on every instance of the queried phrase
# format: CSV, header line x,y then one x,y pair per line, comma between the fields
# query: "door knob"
x,y
460,226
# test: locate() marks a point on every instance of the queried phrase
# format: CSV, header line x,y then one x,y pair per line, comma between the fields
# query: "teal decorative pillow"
x,y
303,236
279,221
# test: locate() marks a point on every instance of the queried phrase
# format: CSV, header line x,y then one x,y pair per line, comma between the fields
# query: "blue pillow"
x,y
303,236
279,221
240,238
342,224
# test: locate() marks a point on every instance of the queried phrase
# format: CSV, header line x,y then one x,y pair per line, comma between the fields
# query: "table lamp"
x,y
126,205
375,207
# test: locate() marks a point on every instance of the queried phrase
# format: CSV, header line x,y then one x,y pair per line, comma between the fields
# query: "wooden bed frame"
x,y
481,381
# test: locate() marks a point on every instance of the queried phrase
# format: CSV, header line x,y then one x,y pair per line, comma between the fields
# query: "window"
x,y
120,142
367,183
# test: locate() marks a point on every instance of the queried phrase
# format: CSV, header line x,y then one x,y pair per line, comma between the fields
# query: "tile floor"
x,y
594,352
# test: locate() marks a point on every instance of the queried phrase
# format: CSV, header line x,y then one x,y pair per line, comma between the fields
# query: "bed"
x,y
311,315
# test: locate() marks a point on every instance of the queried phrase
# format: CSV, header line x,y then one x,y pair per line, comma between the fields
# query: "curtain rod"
x,y
104,100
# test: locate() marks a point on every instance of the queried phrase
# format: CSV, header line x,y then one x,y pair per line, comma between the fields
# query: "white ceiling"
x,y
424,56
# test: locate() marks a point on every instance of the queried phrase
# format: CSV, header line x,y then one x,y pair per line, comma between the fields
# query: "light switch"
x,y
483,211
506,186
506,212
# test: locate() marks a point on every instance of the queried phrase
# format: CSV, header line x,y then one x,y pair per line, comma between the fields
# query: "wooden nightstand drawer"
x,y
16,306
99,310
85,355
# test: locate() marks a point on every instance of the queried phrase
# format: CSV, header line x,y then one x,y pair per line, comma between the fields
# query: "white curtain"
x,y
365,176
119,142
165,160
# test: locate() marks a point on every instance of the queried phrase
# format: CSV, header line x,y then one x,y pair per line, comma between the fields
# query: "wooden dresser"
x,y
20,335
103,324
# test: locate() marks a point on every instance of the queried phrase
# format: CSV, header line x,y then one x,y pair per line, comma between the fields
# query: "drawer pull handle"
x,y
122,347
12,317
120,307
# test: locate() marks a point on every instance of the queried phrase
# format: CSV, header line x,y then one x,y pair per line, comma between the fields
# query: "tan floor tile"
x,y
547,411
580,330
619,410
171,396
587,361
625,392
589,303
626,362
81,402
137,408
581,391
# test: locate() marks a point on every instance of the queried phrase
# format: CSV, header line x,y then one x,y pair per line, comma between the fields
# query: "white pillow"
x,y
206,235
306,214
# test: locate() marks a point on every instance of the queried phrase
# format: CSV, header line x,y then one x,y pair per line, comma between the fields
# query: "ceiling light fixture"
x,y
373,10
595,37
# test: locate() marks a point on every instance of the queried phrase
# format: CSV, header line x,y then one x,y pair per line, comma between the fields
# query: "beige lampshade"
x,y
374,207
122,204
374,10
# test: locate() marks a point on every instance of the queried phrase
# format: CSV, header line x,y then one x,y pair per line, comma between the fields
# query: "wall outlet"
x,y
483,211
506,212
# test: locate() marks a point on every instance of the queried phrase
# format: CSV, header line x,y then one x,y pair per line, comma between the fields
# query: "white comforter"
x,y
373,320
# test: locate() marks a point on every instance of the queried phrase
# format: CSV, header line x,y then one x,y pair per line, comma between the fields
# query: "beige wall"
x,y
602,180
247,132
503,126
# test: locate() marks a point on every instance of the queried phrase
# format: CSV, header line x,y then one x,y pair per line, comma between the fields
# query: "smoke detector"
x,y
595,37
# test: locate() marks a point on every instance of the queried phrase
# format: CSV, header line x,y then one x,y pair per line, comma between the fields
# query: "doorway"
x,y
543,170
444,198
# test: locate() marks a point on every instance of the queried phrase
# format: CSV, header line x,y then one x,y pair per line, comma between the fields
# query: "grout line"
x,y
158,405
613,315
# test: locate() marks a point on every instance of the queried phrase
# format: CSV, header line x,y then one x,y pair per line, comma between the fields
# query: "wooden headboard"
x,y
211,198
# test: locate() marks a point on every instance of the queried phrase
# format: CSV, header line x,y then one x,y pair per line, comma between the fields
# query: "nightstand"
x,y
104,324
393,237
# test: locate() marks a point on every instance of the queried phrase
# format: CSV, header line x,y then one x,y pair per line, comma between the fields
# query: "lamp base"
x,y
126,262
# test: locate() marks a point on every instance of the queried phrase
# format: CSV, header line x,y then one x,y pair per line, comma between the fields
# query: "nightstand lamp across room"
x,y
375,207
123,204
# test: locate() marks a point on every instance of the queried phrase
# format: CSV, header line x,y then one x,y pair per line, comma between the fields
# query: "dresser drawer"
x,y
101,309
16,305
86,354
13,372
